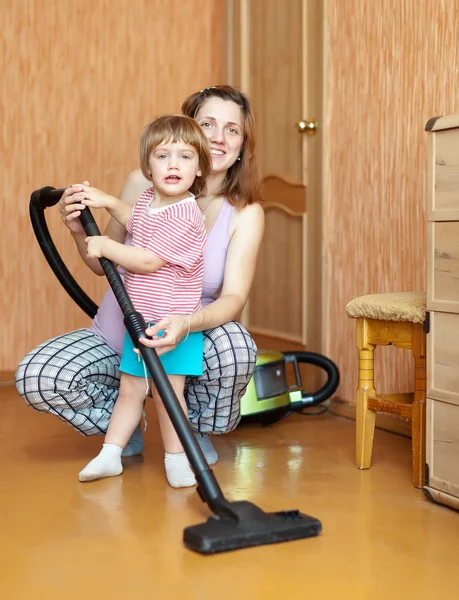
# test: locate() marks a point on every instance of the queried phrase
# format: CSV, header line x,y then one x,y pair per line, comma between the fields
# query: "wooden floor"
x,y
121,537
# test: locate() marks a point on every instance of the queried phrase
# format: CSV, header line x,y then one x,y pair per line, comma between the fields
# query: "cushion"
x,y
400,306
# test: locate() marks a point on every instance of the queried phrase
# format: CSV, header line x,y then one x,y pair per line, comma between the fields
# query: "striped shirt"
x,y
177,235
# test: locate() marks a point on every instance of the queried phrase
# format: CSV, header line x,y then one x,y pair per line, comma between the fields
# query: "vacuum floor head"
x,y
249,526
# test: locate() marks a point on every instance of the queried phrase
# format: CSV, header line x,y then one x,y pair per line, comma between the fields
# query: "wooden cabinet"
x,y
442,435
443,265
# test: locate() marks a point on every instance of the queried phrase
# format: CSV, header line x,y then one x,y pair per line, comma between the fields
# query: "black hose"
x,y
41,199
49,196
318,360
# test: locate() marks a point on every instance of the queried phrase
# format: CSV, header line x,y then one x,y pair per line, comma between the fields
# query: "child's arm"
x,y
95,198
131,258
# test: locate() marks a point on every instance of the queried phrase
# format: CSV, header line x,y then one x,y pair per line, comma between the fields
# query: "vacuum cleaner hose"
x,y
41,199
49,196
328,388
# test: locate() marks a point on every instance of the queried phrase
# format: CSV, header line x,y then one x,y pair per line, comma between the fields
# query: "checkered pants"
x,y
75,377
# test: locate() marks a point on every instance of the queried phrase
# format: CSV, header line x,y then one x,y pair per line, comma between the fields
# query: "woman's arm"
x,y
241,261
239,272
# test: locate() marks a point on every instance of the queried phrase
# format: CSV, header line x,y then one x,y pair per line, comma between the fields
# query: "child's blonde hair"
x,y
177,128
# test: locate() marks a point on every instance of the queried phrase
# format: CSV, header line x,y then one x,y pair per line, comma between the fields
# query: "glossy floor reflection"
x,y
121,537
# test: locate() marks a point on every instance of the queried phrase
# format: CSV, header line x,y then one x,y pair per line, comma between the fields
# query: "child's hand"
x,y
95,245
95,198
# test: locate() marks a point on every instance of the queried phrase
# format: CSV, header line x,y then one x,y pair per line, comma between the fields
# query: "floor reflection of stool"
x,y
384,319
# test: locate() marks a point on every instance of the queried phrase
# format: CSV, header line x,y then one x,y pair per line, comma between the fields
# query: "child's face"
x,y
173,167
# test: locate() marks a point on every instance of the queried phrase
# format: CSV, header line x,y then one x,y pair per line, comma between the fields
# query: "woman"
x,y
75,376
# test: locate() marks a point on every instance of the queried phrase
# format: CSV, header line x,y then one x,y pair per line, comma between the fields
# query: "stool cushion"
x,y
402,306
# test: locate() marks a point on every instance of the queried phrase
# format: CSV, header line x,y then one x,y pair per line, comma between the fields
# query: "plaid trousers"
x,y
76,377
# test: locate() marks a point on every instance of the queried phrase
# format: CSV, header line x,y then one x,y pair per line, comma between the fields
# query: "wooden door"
x,y
275,56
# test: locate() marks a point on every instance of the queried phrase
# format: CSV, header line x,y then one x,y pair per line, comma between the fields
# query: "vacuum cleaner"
x,y
270,398
233,525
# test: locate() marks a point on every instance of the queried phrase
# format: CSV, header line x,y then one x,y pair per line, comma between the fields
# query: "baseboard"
x,y
6,378
441,497
387,422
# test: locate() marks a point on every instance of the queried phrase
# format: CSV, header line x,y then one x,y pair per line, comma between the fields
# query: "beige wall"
x,y
80,79
392,64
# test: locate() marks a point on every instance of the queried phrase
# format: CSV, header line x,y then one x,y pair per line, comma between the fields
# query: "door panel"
x,y
276,85
278,298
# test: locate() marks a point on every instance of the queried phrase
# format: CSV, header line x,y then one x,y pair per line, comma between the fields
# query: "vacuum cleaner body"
x,y
269,396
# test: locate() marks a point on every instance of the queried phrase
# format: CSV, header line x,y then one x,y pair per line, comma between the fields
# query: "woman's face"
x,y
222,124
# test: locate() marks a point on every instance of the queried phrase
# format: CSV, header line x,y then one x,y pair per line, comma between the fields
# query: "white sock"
x,y
106,464
208,449
178,471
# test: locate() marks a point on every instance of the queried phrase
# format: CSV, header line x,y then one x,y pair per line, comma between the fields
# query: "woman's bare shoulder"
x,y
247,225
250,215
134,187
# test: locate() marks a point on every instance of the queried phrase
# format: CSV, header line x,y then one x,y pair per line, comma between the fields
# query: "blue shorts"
x,y
185,359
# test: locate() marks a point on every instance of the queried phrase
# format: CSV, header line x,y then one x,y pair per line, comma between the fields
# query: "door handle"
x,y
308,127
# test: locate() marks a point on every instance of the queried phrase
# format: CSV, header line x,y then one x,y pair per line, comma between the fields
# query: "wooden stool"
x,y
384,319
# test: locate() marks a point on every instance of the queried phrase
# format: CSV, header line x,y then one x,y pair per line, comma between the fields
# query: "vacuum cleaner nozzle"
x,y
248,525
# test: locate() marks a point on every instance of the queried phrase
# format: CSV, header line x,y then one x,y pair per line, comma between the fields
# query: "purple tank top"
x,y
108,322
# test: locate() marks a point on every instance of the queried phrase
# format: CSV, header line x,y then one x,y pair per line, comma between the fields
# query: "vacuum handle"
x,y
46,197
90,226
291,359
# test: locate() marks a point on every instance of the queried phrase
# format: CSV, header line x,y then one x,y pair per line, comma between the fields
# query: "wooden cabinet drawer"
x,y
442,449
443,266
443,171
443,357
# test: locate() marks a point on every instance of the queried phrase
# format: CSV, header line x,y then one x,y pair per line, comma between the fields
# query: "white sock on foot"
x,y
106,464
178,471
208,449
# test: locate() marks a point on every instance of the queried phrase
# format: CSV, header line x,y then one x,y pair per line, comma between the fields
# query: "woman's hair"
x,y
242,182
177,128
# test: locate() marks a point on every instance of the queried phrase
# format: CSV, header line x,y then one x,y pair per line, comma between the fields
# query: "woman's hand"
x,y
70,208
175,328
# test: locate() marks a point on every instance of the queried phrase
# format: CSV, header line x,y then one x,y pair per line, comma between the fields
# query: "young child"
x,y
164,272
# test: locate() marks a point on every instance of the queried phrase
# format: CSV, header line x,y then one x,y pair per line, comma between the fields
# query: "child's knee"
x,y
133,387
